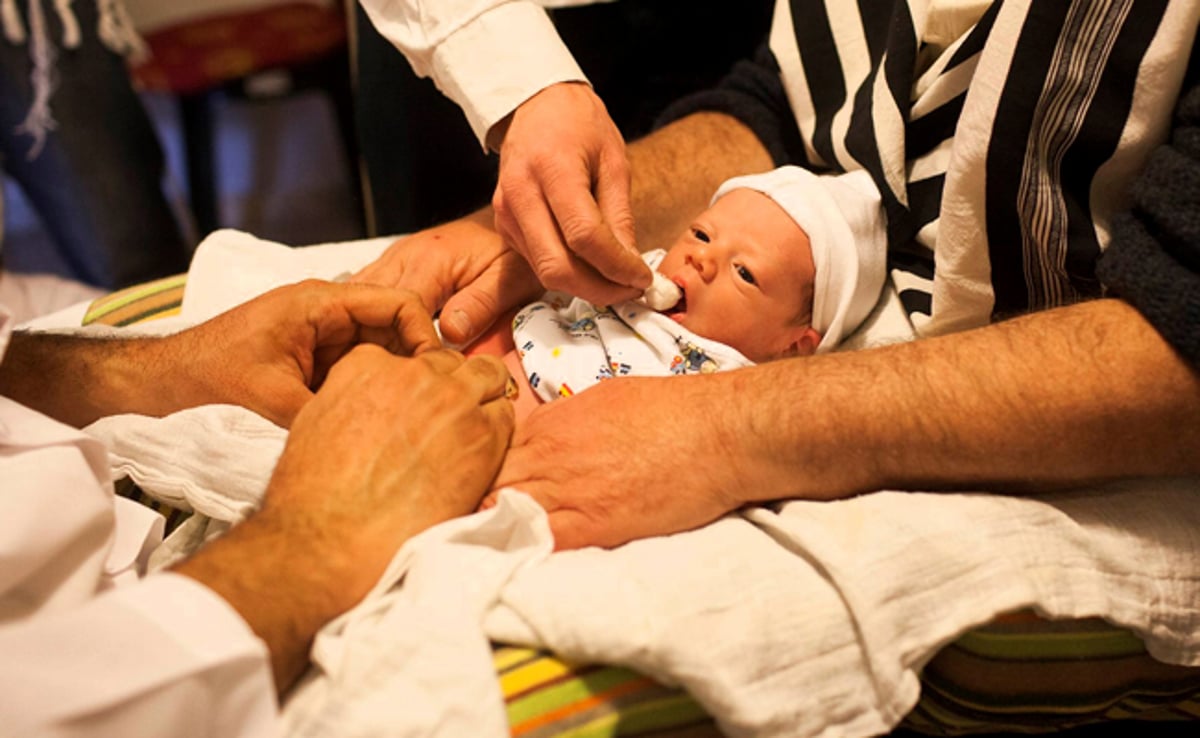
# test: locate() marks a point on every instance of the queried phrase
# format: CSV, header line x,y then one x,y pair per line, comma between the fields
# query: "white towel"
x,y
810,620
806,618
230,267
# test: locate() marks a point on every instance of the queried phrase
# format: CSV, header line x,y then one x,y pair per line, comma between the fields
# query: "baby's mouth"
x,y
680,308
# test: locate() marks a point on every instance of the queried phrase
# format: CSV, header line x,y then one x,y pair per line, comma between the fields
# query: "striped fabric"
x,y
1020,114
137,304
880,87
1018,674
1023,674
546,696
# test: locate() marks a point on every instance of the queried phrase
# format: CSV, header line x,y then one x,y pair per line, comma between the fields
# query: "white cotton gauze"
x,y
661,294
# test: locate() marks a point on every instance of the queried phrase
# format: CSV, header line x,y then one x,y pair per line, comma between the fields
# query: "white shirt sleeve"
x,y
159,656
163,657
488,56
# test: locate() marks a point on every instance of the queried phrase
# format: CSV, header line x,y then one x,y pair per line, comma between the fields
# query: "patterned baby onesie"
x,y
567,344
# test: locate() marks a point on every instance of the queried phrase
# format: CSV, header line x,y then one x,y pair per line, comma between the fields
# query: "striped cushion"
x,y
1019,673
137,304
547,696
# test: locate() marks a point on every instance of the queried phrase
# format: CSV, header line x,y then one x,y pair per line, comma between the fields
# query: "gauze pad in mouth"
x,y
662,293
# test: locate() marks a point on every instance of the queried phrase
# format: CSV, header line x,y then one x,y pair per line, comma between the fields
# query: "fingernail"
x,y
511,390
459,321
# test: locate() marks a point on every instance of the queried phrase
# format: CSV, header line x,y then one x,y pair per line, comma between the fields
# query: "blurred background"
x,y
293,120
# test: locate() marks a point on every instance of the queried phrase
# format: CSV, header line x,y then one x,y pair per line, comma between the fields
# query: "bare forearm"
x,y
77,380
1077,394
285,592
677,169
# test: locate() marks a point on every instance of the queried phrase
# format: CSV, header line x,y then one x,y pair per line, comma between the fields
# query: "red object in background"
x,y
203,54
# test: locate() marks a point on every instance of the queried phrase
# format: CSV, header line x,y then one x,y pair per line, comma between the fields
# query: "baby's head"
x,y
785,263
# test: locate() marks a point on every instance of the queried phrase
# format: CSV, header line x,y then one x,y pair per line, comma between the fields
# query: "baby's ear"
x,y
805,342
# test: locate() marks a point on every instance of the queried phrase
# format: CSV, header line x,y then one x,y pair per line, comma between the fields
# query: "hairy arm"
x,y
1077,394
77,380
677,168
388,447
268,355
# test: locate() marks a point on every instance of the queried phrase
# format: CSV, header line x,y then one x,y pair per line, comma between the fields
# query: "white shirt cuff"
x,y
499,60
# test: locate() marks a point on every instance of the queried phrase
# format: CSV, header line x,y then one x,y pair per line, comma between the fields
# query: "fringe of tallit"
x,y
115,29
39,122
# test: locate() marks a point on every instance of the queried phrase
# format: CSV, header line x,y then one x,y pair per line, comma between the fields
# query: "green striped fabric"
x,y
546,696
1020,674
138,304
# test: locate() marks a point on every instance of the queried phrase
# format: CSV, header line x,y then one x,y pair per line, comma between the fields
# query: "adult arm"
x,y
268,355
742,127
1076,394
388,447
562,197
464,269
1099,390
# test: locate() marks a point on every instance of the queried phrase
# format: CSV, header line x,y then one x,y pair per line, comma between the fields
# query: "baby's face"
x,y
746,272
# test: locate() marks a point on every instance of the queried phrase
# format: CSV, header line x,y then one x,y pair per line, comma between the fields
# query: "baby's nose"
x,y
702,261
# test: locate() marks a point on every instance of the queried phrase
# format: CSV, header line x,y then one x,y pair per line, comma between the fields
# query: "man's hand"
x,y
562,198
391,446
628,458
388,447
463,269
271,353
268,355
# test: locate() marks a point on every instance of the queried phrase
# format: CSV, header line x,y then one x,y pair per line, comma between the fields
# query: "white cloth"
x,y
842,216
88,649
567,345
805,619
488,56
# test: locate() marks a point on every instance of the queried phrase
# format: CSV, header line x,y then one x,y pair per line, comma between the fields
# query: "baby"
x,y
786,263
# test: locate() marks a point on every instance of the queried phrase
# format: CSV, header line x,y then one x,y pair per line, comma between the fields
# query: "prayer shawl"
x,y
1003,135
114,28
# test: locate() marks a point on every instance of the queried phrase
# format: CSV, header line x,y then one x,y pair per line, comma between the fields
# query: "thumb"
x,y
500,288
467,314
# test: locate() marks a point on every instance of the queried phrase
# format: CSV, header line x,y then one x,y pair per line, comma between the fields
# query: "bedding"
x,y
1068,561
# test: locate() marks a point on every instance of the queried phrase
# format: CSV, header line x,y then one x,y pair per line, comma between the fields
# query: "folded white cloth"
x,y
419,649
808,619
177,458
230,267
802,619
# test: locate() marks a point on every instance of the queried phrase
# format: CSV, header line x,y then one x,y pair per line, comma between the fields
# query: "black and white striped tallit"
x,y
1002,134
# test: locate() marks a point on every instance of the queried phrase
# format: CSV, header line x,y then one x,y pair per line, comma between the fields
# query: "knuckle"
x,y
581,232
553,271
500,204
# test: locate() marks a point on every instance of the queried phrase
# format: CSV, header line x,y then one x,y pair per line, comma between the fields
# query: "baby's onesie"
x,y
566,345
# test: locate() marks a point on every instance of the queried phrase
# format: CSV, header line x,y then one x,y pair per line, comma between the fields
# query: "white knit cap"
x,y
844,220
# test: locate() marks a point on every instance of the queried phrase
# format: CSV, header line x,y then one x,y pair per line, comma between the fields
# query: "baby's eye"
x,y
700,235
745,273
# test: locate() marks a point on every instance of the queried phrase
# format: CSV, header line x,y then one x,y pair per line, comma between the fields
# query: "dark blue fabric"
x,y
97,183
